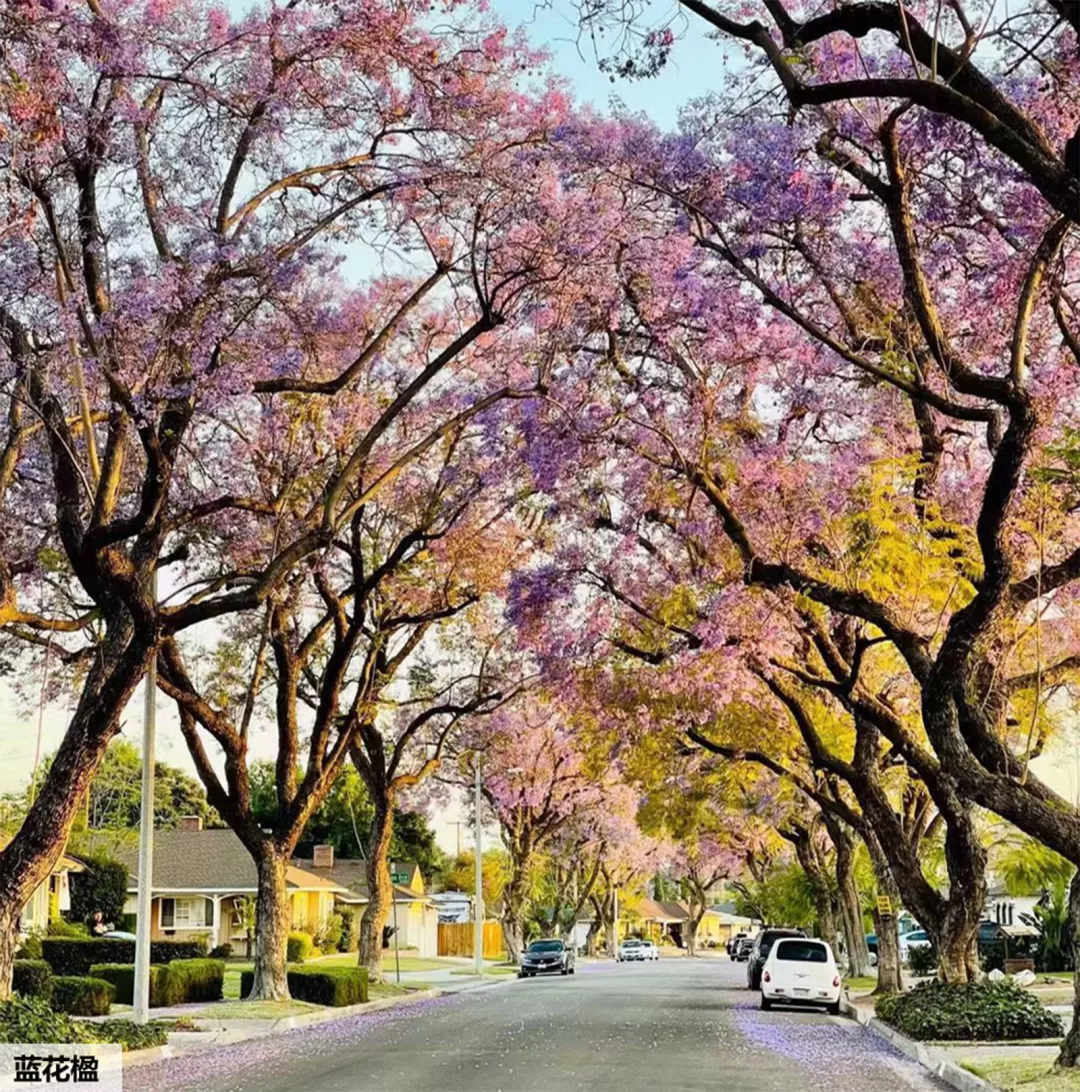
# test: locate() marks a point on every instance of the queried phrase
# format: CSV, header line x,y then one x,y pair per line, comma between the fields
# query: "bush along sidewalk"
x,y
32,1020
79,996
332,986
77,956
32,978
985,1011
181,982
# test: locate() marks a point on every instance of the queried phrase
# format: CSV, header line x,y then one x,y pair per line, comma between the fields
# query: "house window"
x,y
187,913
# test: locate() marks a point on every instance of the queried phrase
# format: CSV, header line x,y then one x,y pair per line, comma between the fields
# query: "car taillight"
x,y
836,980
766,977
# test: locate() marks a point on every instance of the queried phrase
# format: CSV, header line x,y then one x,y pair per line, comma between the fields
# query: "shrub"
x,y
222,951
328,935
129,1035
32,1020
247,980
32,978
983,1010
79,996
71,929
102,888
299,947
122,978
349,925
31,947
190,980
77,956
922,960
335,986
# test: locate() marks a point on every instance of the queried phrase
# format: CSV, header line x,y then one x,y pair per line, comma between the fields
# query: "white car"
x,y
629,950
649,950
801,971
917,938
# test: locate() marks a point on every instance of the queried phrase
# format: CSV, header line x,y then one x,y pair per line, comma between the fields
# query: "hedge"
x,y
129,1035
986,1011
333,986
76,957
31,1020
122,978
191,980
32,978
177,983
299,947
80,996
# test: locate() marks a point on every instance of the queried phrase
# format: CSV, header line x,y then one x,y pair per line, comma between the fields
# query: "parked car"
x,y
800,971
917,938
743,950
733,943
546,957
630,950
649,950
118,934
763,943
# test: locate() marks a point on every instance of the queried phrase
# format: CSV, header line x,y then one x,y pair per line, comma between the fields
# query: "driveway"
x,y
683,1024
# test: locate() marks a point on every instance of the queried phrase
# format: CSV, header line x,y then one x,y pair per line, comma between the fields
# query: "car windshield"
x,y
545,947
801,951
631,943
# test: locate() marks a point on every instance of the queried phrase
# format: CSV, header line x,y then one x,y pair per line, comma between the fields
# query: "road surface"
x,y
676,1025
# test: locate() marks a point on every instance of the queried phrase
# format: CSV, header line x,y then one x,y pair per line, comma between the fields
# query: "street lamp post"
x,y
478,898
141,999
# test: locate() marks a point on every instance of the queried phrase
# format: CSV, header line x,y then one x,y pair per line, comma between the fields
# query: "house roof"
x,y
209,861
351,874
666,912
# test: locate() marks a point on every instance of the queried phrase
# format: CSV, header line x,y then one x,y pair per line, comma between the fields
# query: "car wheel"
x,y
571,970
564,971
766,1004
834,1008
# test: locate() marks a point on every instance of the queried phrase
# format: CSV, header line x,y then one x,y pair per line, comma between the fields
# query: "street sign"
x,y
884,904
399,877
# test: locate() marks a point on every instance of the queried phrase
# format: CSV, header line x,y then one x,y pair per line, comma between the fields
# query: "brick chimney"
x,y
191,822
322,857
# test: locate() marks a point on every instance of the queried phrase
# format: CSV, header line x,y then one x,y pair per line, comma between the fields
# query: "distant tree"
x,y
460,875
101,888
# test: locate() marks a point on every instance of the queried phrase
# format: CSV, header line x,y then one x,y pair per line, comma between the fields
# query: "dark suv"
x,y
763,943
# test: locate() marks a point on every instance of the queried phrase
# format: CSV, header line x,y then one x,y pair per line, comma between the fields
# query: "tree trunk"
x,y
1070,1046
693,923
592,938
380,890
958,929
29,858
515,899
271,928
858,955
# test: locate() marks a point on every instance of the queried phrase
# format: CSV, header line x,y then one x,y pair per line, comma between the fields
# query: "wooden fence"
x,y
457,940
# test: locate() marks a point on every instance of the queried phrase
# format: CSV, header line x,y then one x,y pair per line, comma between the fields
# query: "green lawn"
x,y
860,984
257,1010
1025,1076
487,970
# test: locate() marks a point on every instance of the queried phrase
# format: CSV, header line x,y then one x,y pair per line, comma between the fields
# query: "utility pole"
x,y
478,898
615,919
146,839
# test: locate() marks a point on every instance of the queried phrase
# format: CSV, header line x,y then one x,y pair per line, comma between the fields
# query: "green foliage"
x,y
79,996
122,978
460,874
985,1011
33,1020
32,978
299,947
31,947
180,982
350,924
784,897
328,935
334,986
922,960
129,1035
73,930
1027,867
1051,918
77,955
101,888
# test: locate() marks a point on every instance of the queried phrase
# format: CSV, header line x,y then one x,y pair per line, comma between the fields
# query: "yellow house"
x,y
51,897
413,914
202,878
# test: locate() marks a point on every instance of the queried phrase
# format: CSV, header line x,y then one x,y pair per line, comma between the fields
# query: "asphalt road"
x,y
675,1025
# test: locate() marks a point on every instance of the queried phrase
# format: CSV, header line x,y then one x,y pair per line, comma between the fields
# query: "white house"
x,y
1005,909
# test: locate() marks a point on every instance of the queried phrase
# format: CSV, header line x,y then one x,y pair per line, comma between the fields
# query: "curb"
x,y
184,1042
952,1074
